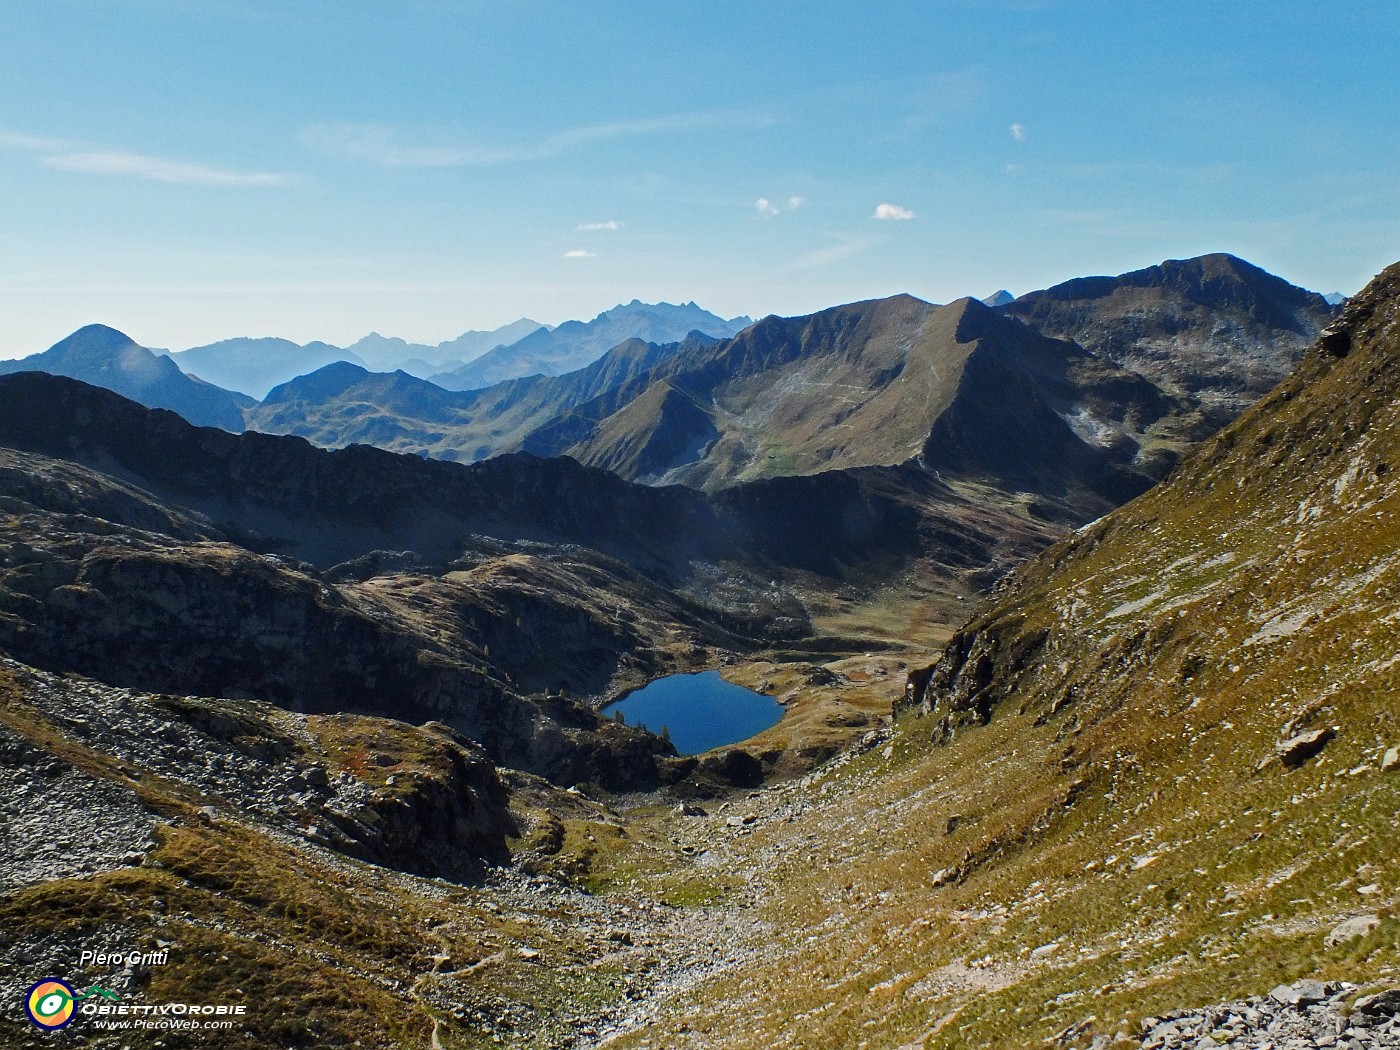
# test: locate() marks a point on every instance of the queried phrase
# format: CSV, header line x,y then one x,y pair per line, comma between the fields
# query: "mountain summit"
x,y
1215,327
108,358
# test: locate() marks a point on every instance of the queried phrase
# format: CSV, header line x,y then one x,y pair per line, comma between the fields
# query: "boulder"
x,y
1299,748
1390,759
1300,993
1359,926
1386,1003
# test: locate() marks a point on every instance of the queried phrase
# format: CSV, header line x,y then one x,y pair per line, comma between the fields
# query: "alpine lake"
x,y
697,711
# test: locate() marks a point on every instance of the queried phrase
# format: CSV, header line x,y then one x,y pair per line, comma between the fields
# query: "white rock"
x,y
1359,926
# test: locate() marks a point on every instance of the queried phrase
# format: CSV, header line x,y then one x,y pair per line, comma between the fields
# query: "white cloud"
x,y
767,208
611,224
579,253
892,212
68,156
1018,132
159,169
380,144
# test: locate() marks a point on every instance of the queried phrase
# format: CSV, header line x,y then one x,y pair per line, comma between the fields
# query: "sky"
x,y
194,170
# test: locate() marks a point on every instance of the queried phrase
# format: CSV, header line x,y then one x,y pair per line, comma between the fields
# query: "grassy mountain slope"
x,y
105,357
878,383
1096,806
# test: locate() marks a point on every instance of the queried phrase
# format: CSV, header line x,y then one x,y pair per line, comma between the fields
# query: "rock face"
x,y
1299,748
1359,926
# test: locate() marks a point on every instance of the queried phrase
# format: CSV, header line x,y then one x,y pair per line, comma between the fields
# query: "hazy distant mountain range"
x,y
1096,384
388,353
472,360
255,366
575,344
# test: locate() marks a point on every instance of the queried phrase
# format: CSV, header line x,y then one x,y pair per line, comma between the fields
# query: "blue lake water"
x,y
700,711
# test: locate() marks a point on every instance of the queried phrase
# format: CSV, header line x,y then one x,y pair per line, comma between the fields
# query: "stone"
x,y
1299,748
1390,760
1358,926
1300,993
1386,1003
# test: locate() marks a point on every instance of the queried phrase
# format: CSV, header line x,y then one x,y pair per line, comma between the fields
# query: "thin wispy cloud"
x,y
1018,132
580,253
833,254
892,213
384,145
31,143
767,208
160,169
611,224
62,155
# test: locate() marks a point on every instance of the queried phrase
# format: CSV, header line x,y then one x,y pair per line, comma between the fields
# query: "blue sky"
x,y
189,170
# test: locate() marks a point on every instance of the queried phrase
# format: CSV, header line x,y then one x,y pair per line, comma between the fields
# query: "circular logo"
x,y
50,1004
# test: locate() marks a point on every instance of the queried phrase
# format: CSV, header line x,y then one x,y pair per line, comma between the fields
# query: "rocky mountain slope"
x,y
575,344
1160,770
1215,327
105,357
282,860
1146,798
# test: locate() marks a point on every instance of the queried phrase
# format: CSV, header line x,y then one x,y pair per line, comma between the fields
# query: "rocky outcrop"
x,y
420,799
1307,1013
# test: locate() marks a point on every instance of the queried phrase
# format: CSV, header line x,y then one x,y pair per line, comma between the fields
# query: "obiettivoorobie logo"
x,y
50,1004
